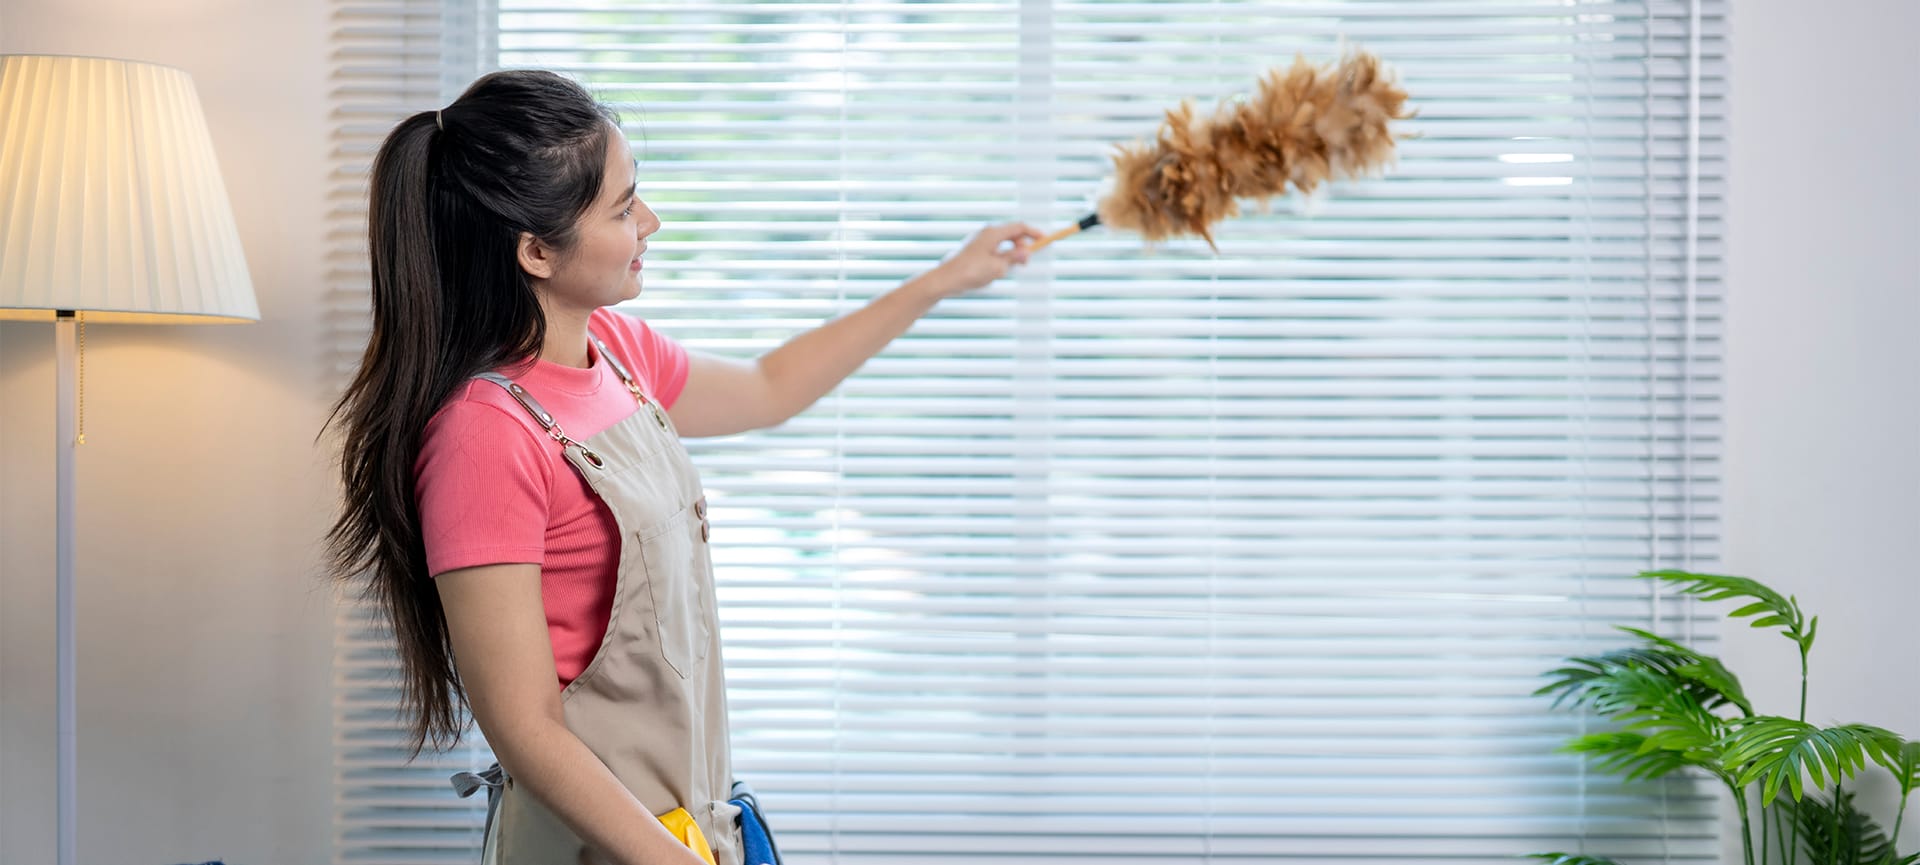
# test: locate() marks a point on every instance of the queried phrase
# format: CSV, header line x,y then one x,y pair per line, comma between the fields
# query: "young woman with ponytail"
x,y
517,500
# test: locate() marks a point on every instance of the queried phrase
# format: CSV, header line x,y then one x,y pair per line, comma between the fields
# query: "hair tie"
x,y
436,121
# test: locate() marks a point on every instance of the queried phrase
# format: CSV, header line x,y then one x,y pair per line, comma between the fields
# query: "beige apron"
x,y
652,702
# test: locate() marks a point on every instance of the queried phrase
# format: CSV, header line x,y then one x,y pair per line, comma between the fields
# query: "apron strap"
x,y
633,386
618,367
493,780
525,399
542,416
468,783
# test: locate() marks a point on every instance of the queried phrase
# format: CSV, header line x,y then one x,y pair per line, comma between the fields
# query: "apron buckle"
x,y
468,783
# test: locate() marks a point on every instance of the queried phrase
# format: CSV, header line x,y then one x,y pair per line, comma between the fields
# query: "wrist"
x,y
930,286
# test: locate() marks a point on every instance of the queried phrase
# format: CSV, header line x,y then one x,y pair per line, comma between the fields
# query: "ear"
x,y
536,258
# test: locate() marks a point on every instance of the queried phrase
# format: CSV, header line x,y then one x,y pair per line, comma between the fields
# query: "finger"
x,y
1011,230
1024,235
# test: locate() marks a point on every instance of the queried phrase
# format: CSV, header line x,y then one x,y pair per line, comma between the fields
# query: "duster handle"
x,y
1089,221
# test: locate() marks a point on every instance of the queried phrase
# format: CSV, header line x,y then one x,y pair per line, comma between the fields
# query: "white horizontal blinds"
x,y
1156,555
1168,556
391,59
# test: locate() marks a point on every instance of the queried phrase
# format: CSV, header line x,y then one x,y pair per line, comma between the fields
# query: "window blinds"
x,y
1153,555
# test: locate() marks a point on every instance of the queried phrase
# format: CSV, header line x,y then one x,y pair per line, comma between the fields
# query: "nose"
x,y
649,221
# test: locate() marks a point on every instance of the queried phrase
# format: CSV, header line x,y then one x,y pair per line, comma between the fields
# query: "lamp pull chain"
x,y
80,320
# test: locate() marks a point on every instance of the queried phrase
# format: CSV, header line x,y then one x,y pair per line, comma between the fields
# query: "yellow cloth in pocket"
x,y
681,824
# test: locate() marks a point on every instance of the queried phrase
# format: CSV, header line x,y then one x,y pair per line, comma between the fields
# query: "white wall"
x,y
1823,411
204,641
204,644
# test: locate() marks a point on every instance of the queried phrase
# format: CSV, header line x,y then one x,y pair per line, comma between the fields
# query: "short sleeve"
x,y
484,484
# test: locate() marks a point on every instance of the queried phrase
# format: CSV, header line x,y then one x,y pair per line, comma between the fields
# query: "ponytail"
x,y
450,194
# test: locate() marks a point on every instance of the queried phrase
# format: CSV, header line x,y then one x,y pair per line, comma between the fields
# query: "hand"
x,y
985,257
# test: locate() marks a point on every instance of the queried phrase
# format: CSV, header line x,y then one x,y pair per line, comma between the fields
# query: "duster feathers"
x,y
1304,126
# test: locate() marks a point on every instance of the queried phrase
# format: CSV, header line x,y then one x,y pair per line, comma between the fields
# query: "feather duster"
x,y
1305,125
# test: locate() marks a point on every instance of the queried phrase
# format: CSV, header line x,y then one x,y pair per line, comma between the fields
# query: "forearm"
x,y
806,367
725,396
551,763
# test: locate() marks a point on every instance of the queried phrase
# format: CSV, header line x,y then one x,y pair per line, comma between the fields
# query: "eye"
x,y
628,210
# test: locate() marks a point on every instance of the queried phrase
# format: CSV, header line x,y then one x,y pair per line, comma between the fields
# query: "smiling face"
x,y
603,266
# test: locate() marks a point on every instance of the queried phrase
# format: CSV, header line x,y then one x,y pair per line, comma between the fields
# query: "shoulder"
x,y
484,483
482,425
483,407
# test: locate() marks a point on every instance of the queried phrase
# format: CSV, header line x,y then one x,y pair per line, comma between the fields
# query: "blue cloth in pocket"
x,y
756,842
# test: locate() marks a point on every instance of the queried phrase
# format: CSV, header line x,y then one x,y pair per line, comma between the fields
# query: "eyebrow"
x,y
631,189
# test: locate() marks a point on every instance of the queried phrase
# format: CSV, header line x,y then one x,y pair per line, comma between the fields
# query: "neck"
x,y
566,342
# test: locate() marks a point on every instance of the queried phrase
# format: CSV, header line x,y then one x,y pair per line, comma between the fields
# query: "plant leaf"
x,y
1719,587
1718,684
1586,680
1860,841
1780,751
1632,755
1904,763
1592,681
1666,715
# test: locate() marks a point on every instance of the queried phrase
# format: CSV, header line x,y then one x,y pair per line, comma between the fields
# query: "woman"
x,y
514,485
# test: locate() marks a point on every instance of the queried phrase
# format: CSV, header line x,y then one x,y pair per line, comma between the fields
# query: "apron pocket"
x,y
674,579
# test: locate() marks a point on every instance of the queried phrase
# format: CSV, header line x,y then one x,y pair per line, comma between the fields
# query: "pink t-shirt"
x,y
493,487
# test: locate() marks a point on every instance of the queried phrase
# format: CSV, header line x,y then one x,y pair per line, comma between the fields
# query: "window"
x,y
1150,555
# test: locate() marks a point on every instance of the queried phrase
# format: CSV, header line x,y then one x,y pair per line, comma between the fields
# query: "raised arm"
x,y
724,396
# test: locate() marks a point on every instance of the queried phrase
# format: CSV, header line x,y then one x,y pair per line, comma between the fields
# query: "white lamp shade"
x,y
111,201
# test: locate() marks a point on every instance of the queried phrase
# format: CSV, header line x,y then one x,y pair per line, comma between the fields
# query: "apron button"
x,y
700,508
703,530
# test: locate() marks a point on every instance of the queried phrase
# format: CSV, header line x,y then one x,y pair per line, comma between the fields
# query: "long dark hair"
x,y
450,195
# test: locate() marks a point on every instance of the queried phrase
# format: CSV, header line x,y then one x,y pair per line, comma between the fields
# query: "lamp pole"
x,y
63,337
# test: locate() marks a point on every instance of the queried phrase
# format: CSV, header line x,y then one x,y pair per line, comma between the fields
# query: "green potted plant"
x,y
1678,710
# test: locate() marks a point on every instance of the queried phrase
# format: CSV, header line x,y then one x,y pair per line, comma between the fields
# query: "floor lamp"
x,y
111,210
